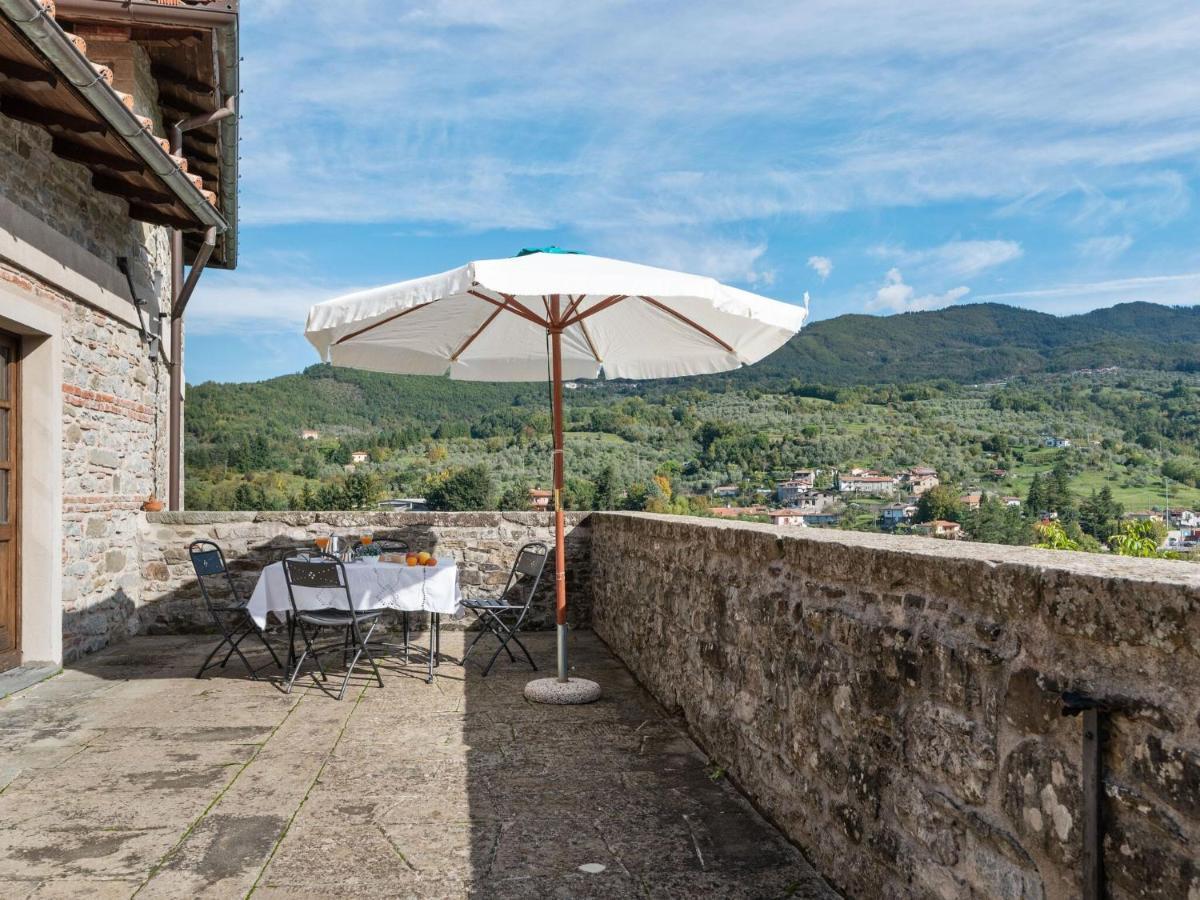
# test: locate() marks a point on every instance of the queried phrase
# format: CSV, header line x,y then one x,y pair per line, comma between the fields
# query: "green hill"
x,y
967,344
983,342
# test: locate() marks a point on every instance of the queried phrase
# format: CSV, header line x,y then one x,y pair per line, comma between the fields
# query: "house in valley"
x,y
919,479
813,501
539,498
793,517
866,484
358,457
895,514
939,528
118,188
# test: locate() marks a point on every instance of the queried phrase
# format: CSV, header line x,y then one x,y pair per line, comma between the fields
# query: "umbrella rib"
x,y
392,318
591,346
686,321
599,307
573,306
511,304
478,331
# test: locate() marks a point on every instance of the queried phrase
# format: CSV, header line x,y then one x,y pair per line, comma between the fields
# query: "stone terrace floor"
x,y
125,775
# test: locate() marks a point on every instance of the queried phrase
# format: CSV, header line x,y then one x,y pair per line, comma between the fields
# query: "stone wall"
x,y
114,394
484,544
893,703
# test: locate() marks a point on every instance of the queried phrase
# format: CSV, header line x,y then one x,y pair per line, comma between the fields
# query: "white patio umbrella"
x,y
573,314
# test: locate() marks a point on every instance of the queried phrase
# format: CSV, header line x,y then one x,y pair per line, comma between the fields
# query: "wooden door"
x,y
10,502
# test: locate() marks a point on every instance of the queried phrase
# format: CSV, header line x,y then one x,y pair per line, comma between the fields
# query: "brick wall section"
x,y
893,703
484,545
114,395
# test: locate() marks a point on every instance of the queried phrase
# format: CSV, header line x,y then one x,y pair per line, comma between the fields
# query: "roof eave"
x,y
36,23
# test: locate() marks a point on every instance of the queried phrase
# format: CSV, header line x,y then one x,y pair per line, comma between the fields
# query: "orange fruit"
x,y
430,562
411,559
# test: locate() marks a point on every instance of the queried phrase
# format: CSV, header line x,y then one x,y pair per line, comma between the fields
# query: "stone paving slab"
x,y
127,776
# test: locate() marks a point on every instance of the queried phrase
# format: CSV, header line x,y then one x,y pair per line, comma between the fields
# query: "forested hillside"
x,y
970,391
973,343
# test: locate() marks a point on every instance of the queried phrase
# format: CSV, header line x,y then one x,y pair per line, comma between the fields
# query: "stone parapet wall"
x,y
484,544
894,703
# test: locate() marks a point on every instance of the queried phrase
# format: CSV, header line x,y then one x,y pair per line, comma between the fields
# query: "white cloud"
x,y
1175,290
897,296
529,115
725,259
822,265
955,259
1104,249
255,303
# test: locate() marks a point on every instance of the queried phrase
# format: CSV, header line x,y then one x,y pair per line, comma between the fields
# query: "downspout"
x,y
175,407
181,293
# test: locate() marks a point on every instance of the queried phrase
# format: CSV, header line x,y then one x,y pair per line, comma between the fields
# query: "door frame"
x,y
39,323
11,462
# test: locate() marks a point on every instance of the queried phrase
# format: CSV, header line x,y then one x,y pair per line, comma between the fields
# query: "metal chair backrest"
x,y
525,574
209,562
313,569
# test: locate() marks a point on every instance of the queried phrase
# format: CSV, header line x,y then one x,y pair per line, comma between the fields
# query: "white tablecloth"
x,y
373,585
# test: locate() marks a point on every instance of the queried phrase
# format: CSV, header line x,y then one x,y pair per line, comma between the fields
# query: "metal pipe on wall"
x,y
181,293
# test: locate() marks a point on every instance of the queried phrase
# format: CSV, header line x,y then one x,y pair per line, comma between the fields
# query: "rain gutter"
x,y
47,35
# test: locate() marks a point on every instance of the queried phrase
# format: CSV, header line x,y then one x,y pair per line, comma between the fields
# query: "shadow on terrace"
x,y
127,775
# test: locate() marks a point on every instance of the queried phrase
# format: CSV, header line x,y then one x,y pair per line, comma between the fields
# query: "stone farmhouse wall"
x,y
894,703
114,396
484,545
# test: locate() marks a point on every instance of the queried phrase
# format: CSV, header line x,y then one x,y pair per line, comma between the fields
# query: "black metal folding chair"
x,y
321,570
502,616
228,615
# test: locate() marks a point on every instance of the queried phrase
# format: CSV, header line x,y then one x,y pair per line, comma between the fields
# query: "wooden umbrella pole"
x,y
560,552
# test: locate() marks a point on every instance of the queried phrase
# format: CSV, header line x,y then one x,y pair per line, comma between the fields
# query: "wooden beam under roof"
x,y
172,37
94,158
119,187
47,117
181,104
173,76
157,216
11,70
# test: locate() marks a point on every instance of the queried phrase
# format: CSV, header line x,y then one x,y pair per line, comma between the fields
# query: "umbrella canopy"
x,y
488,320
570,313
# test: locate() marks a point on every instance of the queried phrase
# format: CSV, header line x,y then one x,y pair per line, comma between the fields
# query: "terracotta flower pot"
x,y
152,504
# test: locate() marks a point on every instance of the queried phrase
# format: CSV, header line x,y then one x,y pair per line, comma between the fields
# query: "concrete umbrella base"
x,y
571,691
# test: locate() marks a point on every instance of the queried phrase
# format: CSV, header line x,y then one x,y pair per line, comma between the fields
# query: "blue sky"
x,y
881,156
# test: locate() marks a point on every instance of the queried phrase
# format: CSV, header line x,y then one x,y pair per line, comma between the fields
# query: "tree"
x,y
996,523
1036,501
1058,488
1138,538
360,490
1098,514
463,490
608,489
310,465
1051,536
940,502
515,497
580,494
